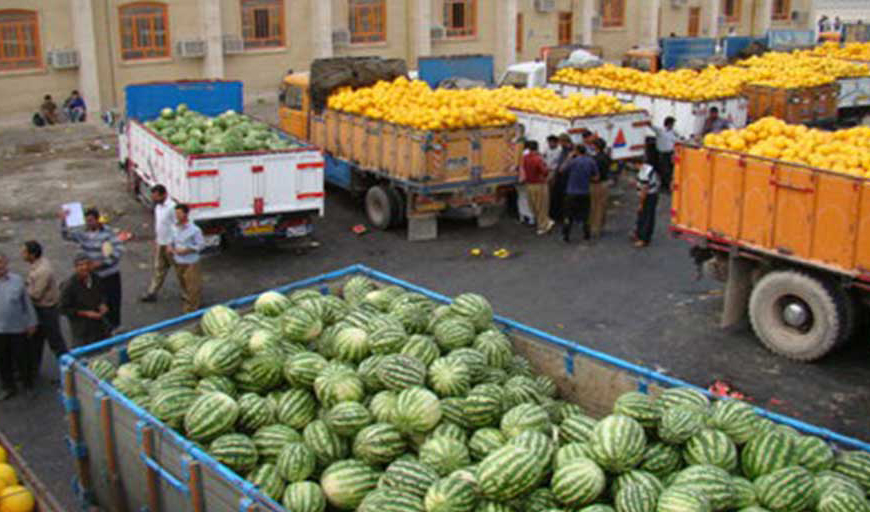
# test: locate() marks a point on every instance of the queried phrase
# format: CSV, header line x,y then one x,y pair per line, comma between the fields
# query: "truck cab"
x,y
525,74
294,105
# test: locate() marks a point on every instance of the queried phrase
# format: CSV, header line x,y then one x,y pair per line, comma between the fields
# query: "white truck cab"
x,y
525,75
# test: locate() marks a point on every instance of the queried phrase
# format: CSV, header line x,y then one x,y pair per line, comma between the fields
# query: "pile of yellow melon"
x,y
843,151
548,102
804,63
13,496
849,51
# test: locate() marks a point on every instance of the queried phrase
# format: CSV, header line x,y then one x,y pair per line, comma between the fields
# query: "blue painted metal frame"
x,y
251,494
210,97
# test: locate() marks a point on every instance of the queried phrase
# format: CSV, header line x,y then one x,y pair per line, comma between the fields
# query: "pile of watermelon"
x,y
381,400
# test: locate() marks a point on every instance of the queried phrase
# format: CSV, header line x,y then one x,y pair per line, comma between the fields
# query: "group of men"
x,y
568,183
74,110
90,299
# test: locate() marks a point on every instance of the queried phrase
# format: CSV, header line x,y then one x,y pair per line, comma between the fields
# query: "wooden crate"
x,y
332,119
344,146
797,105
357,144
318,131
389,145
373,154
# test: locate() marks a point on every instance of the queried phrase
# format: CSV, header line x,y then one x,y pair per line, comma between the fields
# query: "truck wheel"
x,y
397,200
379,208
797,316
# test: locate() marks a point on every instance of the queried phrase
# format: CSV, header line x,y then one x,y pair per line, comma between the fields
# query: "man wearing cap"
x,y
100,243
17,322
83,302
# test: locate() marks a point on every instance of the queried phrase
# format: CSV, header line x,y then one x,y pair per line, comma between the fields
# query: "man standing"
x,y
582,170
648,189
552,155
44,292
535,175
104,249
164,218
599,189
187,242
666,139
17,322
557,194
714,123
83,302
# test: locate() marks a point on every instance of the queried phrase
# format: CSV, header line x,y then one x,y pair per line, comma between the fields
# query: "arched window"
x,y
19,47
144,30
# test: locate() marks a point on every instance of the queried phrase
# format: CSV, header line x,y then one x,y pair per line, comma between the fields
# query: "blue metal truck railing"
x,y
209,97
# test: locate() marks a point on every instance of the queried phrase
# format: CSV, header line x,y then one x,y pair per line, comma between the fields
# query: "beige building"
x,y
100,46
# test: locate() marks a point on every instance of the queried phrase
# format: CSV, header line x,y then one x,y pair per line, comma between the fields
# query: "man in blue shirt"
x,y
75,108
581,171
187,242
17,323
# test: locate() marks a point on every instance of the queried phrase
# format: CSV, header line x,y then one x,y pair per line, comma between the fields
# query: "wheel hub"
x,y
795,314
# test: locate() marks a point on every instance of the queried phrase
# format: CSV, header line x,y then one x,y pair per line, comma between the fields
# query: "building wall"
x,y
617,40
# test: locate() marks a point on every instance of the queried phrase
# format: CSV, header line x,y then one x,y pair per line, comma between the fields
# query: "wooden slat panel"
x,y
836,215
794,213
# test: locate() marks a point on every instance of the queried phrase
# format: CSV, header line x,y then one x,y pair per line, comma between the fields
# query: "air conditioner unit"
x,y
800,17
190,48
545,5
340,37
63,59
233,45
437,33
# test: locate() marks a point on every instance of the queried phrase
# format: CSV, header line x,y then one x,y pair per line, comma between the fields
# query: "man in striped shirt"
x,y
100,243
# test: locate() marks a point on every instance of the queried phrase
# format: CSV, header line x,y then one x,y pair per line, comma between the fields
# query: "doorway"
x,y
694,21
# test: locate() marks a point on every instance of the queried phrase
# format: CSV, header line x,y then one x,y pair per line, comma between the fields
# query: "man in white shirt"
x,y
164,219
186,244
666,139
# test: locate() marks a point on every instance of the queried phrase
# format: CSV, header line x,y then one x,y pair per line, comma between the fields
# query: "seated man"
x,y
75,108
47,112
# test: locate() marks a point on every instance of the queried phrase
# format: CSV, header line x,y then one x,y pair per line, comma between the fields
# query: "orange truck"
x,y
405,175
791,242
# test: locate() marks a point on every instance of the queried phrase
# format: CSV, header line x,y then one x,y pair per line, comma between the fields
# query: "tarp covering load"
x,y
328,75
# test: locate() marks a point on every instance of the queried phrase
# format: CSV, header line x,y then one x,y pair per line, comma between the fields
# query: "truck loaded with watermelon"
x,y
379,399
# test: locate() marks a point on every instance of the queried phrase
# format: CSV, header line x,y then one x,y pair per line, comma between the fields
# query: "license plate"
x,y
297,231
212,240
258,227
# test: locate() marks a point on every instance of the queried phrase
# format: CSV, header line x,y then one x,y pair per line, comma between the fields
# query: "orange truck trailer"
x,y
791,242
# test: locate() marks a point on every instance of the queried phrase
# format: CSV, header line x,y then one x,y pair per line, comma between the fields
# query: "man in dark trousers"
x,y
17,322
559,182
84,304
648,188
581,172
44,292
102,246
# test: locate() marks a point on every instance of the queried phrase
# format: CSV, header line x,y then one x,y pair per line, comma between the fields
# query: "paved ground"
x,y
643,306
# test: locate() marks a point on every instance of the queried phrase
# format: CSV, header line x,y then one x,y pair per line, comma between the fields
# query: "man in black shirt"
x,y
600,188
83,302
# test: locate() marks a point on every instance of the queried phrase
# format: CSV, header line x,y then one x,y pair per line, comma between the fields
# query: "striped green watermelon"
x,y
397,372
327,446
449,377
679,423
685,397
682,499
475,308
381,298
787,489
421,347
368,372
483,407
474,359
171,404
540,500
568,409
525,417
295,462
485,441
495,346
661,459
301,369
130,386
635,498
547,387
637,477
451,430
568,452
855,464
383,406
828,481
414,317
451,494
259,374
254,412
617,443
155,363
219,321
235,451
540,444
180,339
129,370
300,326
577,428
271,304
315,306
519,365
494,506
768,452
348,418
264,341
356,288
336,384
217,383
183,359
814,453
345,483
578,482
507,473
744,493
379,443
334,309
737,419
302,294
175,379
843,501
304,497
712,482
451,333
271,439
639,406
521,390
351,344
444,455
217,357
265,477
453,410
408,476
387,339
418,411
710,446
296,408
104,370
390,501
210,415
144,343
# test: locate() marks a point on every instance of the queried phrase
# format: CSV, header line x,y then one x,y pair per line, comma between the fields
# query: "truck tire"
x,y
798,316
379,207
397,200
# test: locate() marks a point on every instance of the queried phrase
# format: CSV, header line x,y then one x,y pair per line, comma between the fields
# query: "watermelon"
x,y
473,307
271,304
661,459
210,415
381,298
635,498
397,372
351,344
682,499
300,326
578,482
271,439
348,418
266,478
449,377
483,407
451,430
451,333
685,397
485,441
710,446
295,462
219,321
169,405
744,493
103,369
297,296
178,378
519,365
254,412
183,359
217,357
508,472
130,386
356,288
737,419
336,384
142,344
383,406
843,501
768,452
547,387
296,408
315,306
368,372
577,428
494,506
422,348
712,482
520,390
814,453
679,423
259,374
327,446
473,359
409,477
453,410
413,317
451,494
496,347
390,501
540,500
263,342
417,411
525,417
304,497
235,451
787,489
568,452
179,340
387,339
639,406
444,455
345,483
301,369
379,443
617,443
217,383
129,370
856,465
